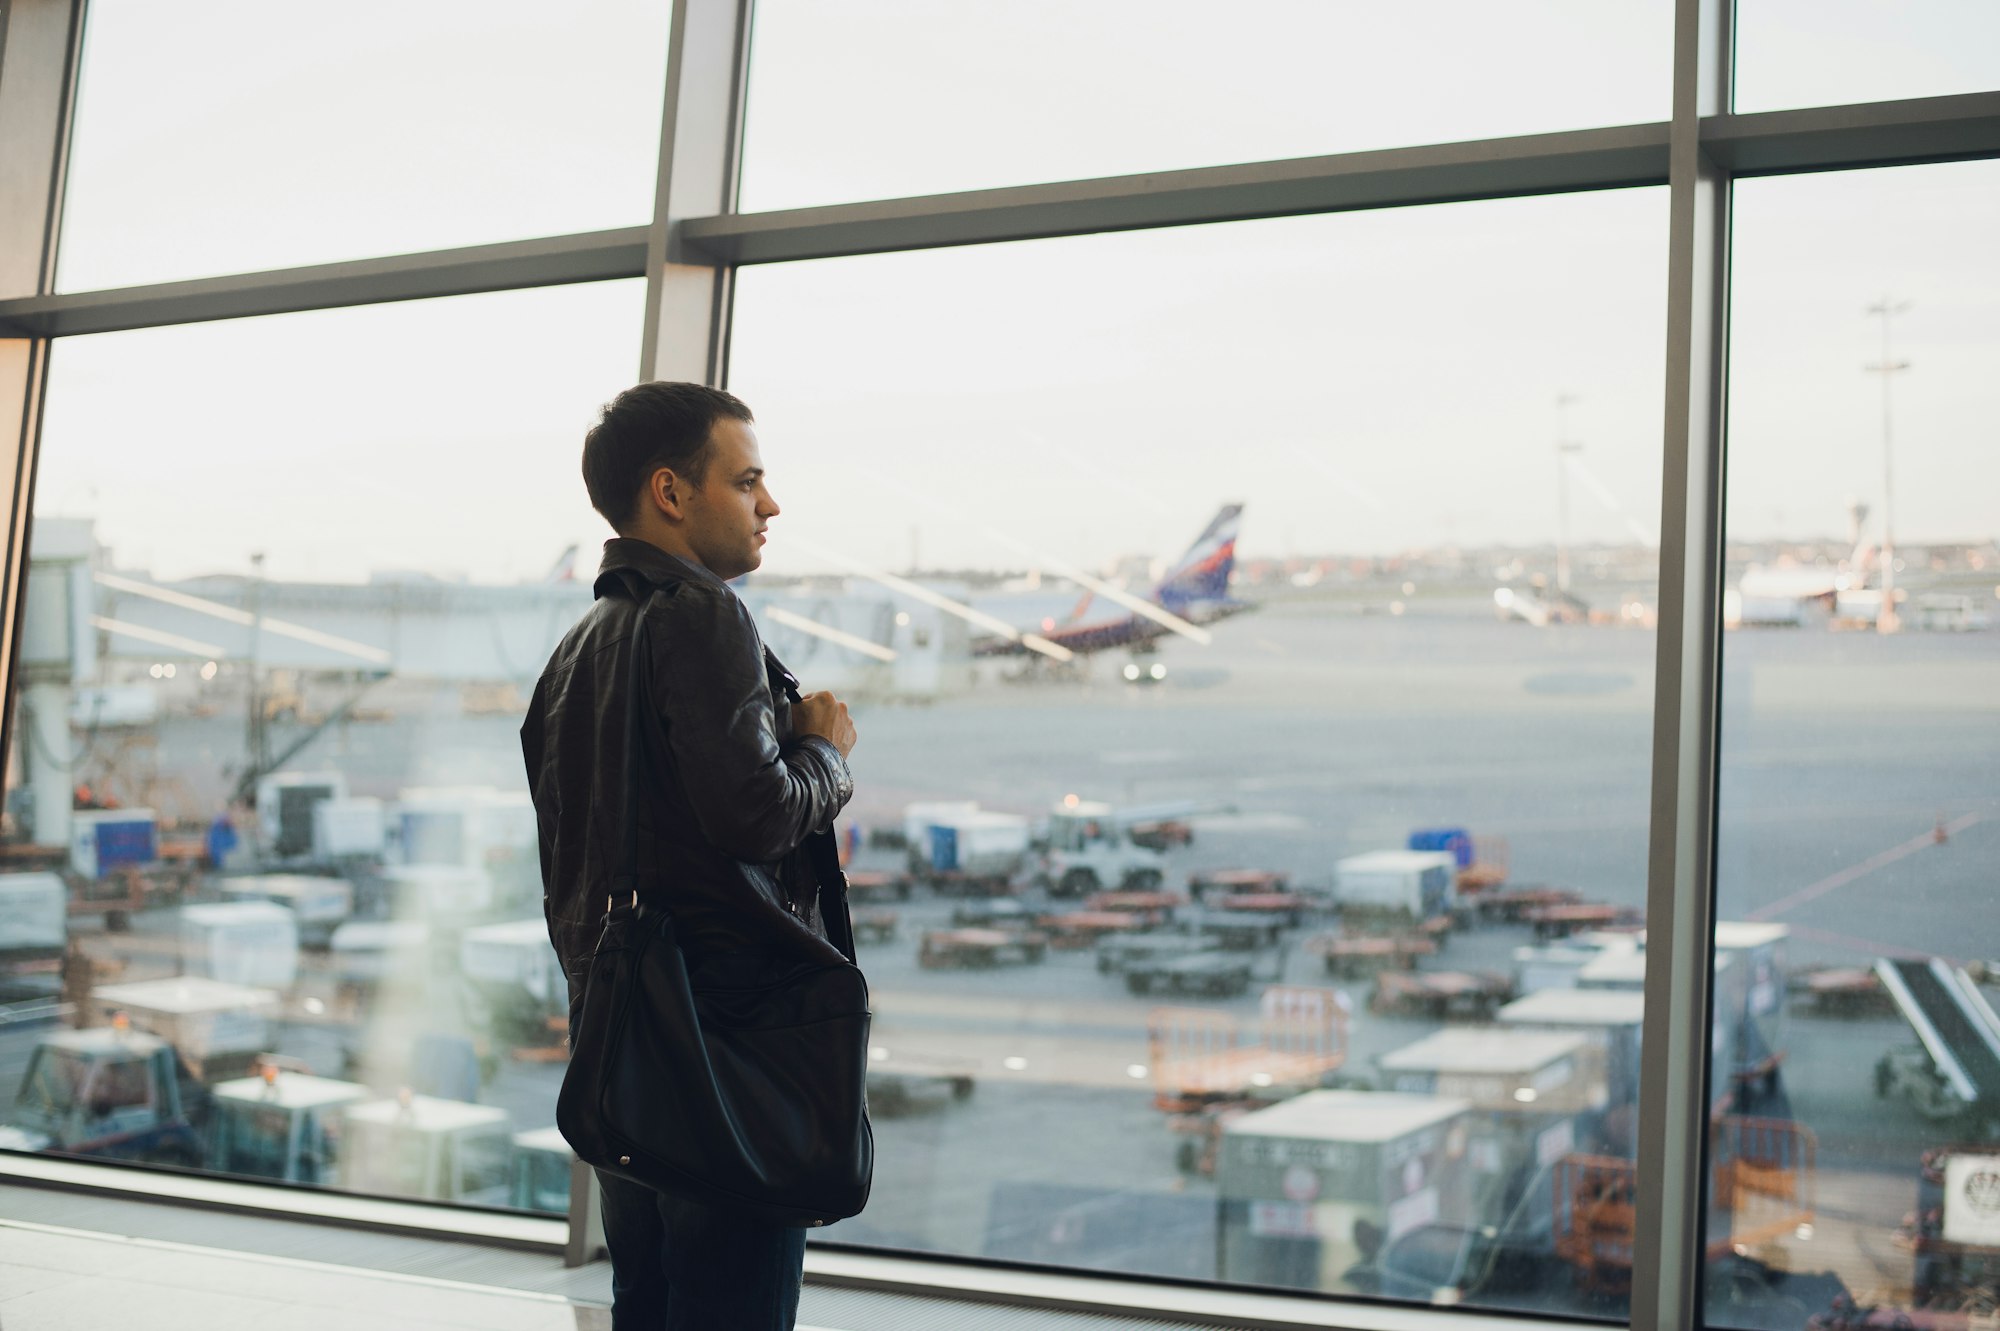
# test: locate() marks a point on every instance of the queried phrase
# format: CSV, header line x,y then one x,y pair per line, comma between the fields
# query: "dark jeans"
x,y
679,1266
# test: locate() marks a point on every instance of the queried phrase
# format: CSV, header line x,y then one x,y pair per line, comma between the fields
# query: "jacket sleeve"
x,y
754,799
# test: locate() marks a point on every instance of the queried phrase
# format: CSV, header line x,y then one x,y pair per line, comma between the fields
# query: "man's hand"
x,y
824,715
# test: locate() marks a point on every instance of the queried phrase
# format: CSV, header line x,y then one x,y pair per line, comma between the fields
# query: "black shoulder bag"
x,y
751,1098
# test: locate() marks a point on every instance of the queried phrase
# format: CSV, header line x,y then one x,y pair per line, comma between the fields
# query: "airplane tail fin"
x,y
564,569
1202,574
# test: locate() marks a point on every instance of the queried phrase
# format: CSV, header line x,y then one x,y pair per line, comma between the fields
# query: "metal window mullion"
x,y
701,137
40,47
1674,1088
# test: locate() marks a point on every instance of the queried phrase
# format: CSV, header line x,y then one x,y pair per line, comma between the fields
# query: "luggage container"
x,y
34,917
979,848
418,1146
1418,884
319,905
356,827
1311,1187
279,1125
101,840
1551,966
515,977
219,1028
917,820
1610,1019
241,942
443,894
1527,1092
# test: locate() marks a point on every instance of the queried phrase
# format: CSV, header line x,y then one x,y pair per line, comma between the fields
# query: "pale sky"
x,y
1366,382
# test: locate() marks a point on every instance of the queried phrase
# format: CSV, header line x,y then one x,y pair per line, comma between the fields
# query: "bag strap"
x,y
822,848
628,863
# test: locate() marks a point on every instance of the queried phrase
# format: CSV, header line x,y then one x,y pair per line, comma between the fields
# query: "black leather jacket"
x,y
727,794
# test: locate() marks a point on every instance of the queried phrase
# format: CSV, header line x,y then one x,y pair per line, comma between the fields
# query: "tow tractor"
x,y
110,1092
419,1146
281,1123
1090,848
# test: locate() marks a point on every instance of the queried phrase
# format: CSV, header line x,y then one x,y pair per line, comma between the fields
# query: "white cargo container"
x,y
1419,883
319,905
980,844
1615,968
1611,1019
438,892
1298,1180
34,916
1551,966
241,942
474,826
345,828
213,1024
418,1146
918,817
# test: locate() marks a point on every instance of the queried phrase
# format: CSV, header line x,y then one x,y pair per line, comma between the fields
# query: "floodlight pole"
x,y
1886,620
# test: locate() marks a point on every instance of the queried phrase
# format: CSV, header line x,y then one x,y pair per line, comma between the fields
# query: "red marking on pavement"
x,y
1861,870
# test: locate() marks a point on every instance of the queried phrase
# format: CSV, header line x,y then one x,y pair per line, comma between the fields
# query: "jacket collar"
x,y
639,566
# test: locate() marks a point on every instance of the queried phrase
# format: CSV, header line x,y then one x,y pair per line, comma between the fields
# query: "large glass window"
x,y
888,98
231,136
1829,52
1857,1143
272,903
1197,951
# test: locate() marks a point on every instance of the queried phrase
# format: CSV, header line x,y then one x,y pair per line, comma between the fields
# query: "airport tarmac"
x,y
1325,735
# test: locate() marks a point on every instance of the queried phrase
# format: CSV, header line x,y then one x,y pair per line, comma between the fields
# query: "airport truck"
x,y
978,850
1090,848
279,1124
218,1028
110,1092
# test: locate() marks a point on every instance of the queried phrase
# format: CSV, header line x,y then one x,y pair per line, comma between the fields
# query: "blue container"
x,y
1454,839
126,843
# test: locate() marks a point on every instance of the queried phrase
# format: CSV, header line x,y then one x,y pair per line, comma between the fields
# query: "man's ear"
x,y
667,492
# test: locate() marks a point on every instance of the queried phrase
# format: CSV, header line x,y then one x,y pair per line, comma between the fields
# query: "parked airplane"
x,y
1194,592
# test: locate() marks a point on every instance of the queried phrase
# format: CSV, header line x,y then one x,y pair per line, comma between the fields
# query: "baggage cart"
x,y
1072,931
876,924
1358,956
1115,952
1440,995
980,949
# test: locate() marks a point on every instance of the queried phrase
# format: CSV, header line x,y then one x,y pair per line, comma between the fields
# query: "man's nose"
x,y
769,508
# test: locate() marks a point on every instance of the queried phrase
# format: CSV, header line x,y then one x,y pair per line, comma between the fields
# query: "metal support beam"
x,y
1674,1094
1440,173
590,257
686,333
1823,138
40,44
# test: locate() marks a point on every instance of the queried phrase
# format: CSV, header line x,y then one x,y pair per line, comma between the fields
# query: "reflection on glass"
x,y
1792,53
972,96
270,899
231,136
1252,791
1855,1153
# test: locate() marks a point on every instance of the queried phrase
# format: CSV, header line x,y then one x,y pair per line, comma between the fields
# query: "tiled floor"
x,y
67,1280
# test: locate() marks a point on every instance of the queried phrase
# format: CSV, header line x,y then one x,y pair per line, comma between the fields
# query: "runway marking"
x,y
1861,870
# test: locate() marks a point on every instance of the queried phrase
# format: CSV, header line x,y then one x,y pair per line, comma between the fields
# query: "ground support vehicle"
x,y
218,1029
1208,1067
900,1083
1358,956
1511,905
513,982
279,1124
1954,1234
1563,920
1208,974
992,913
1611,1021
868,886
319,905
875,924
1149,910
111,1092
1240,933
960,847
1390,885
1091,849
1311,1187
1163,833
979,949
418,1146
1952,1074
1115,952
1285,909
1840,991
542,1162
1073,931
1440,995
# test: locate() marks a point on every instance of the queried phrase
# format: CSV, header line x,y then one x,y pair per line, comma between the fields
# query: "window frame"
x,y
689,253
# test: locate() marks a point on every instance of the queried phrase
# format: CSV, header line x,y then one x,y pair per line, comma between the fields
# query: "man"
x,y
730,783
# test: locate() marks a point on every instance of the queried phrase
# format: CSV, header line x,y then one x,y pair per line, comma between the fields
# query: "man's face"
x,y
724,520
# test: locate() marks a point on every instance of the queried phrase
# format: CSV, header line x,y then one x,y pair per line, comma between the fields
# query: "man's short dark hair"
x,y
643,429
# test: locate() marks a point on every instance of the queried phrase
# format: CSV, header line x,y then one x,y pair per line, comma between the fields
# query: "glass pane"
x,y
1830,52
1196,954
290,582
231,136
885,98
1856,1146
